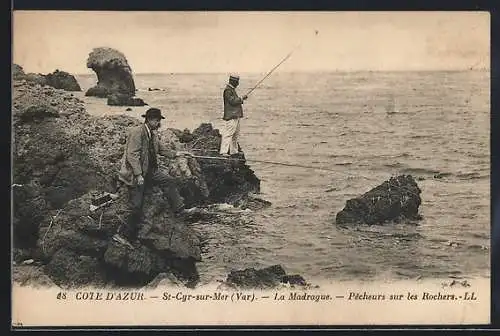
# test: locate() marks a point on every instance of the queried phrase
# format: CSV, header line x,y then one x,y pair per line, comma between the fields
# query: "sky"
x,y
201,42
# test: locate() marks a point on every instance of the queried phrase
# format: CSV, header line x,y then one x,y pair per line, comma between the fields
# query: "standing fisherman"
x,y
233,112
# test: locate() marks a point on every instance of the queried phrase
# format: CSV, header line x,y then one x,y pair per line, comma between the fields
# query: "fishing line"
x,y
301,166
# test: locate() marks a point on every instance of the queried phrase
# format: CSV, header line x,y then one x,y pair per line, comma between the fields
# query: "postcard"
x,y
250,168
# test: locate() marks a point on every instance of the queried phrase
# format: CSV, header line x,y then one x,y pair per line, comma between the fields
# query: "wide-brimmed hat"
x,y
153,112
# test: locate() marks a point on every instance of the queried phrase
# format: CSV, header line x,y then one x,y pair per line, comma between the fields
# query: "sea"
x,y
343,133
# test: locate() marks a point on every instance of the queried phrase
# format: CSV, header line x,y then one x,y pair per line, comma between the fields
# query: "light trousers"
x,y
230,134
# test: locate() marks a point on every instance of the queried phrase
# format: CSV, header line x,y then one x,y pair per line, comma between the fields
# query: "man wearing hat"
x,y
233,112
139,169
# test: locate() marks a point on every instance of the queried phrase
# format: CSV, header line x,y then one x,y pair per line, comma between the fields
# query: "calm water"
x,y
367,127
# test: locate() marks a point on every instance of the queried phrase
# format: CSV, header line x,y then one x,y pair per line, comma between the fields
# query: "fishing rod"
x,y
272,70
277,65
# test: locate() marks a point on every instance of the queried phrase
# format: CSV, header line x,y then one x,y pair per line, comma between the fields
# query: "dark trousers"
x,y
136,199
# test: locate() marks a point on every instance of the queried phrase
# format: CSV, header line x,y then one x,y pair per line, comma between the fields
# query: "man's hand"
x,y
140,180
245,97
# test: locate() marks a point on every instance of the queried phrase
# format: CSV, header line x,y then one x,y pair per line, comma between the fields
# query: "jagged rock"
x,y
183,136
68,269
37,113
58,79
29,209
228,181
395,200
32,276
294,279
268,277
62,80
265,278
114,74
36,78
17,72
119,99
164,280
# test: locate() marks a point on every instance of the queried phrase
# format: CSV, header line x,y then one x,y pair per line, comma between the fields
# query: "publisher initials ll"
x,y
470,296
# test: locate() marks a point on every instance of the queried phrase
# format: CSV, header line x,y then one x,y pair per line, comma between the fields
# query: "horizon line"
x,y
294,72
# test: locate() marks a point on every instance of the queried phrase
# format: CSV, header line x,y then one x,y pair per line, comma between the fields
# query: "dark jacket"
x,y
136,156
232,104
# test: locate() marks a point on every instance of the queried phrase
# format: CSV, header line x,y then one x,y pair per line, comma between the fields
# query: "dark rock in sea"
x,y
97,91
120,99
294,279
62,80
128,109
268,277
395,200
114,74
265,278
62,155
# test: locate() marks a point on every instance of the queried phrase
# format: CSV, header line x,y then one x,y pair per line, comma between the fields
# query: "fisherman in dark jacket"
x,y
233,112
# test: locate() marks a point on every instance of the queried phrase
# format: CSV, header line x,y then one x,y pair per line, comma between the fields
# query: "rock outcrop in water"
x,y
395,200
62,155
228,181
114,78
58,79
265,278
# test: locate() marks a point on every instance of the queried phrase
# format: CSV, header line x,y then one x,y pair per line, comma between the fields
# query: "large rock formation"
x,y
395,200
114,77
62,155
57,79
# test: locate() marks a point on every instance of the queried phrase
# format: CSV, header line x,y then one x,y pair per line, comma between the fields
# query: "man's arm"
x,y
232,98
134,150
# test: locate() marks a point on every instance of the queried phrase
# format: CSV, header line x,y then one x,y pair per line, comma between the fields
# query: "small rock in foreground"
x,y
265,278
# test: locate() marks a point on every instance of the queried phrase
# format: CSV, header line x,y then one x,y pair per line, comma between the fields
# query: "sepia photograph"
x,y
250,168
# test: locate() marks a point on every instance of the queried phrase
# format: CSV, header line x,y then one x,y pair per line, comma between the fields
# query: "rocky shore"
x,y
57,79
62,156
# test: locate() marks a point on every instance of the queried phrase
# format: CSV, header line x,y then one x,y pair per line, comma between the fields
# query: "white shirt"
x,y
149,131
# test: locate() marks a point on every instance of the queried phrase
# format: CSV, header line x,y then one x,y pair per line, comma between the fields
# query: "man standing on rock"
x,y
139,170
233,112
